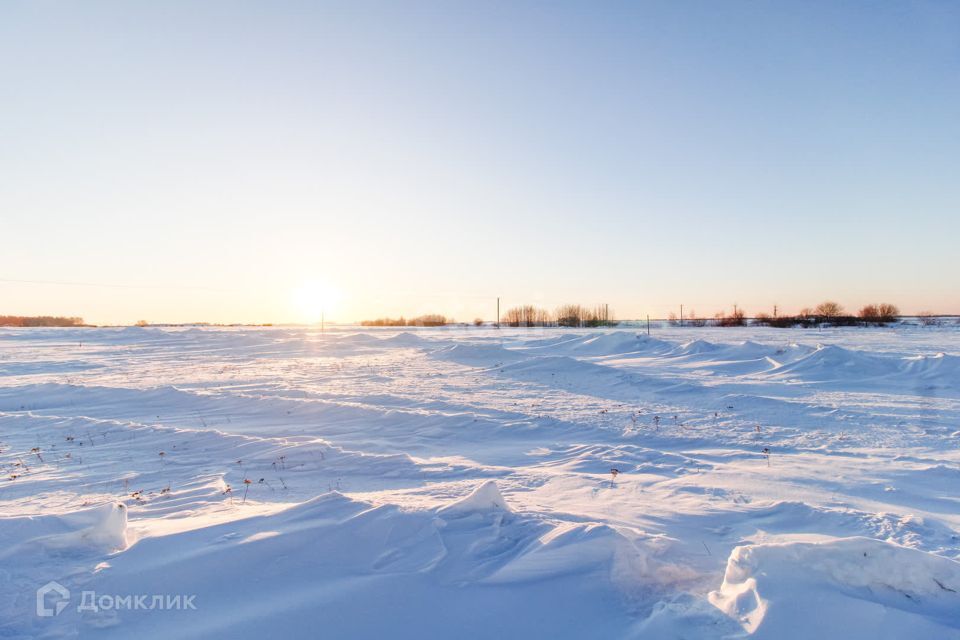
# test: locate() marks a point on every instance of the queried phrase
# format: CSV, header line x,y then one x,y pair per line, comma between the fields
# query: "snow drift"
x,y
873,589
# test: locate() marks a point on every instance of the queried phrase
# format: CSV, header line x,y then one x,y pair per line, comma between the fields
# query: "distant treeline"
x,y
834,314
828,312
40,321
574,315
428,320
568,315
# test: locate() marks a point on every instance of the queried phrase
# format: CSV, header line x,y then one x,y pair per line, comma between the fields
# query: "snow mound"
x,y
939,367
360,338
606,344
696,347
405,339
486,497
870,588
477,355
602,344
102,528
832,363
320,565
747,350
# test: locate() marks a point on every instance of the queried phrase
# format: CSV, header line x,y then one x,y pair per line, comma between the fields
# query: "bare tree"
x,y
880,313
869,313
888,312
735,319
571,315
829,309
40,321
526,316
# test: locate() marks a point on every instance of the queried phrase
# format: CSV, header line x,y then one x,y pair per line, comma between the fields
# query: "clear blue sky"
x,y
213,158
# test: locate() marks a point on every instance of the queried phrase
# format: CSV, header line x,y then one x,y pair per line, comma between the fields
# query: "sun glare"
x,y
314,300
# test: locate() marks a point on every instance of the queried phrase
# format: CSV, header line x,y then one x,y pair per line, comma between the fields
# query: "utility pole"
x,y
681,315
498,312
648,324
774,311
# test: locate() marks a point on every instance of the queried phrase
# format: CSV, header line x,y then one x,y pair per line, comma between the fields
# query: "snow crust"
x,y
476,483
869,588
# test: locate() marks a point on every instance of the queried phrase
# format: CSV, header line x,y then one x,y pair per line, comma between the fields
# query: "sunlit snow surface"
x,y
457,482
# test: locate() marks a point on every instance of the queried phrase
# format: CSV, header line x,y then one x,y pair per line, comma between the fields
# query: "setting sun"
x,y
313,301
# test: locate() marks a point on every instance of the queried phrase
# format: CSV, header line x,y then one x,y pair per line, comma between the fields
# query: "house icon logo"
x,y
52,598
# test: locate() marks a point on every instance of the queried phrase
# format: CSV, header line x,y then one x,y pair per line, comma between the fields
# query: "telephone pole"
x,y
498,312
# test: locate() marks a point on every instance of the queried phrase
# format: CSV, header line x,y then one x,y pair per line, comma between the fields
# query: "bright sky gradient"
x,y
210,160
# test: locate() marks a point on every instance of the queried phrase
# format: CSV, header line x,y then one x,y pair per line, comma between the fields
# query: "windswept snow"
x,y
869,588
708,483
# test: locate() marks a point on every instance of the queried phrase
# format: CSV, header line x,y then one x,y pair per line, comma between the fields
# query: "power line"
x,y
112,285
